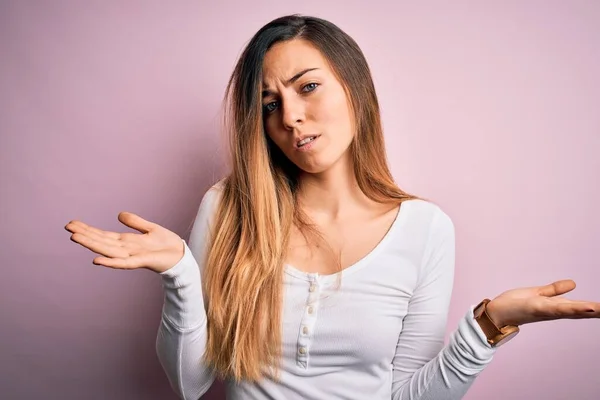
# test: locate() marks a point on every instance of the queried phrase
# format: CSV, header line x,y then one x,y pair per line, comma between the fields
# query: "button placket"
x,y
308,321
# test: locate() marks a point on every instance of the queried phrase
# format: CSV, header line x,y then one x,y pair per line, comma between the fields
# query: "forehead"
x,y
285,59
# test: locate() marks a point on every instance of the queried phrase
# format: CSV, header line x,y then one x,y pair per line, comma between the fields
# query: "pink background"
x,y
490,108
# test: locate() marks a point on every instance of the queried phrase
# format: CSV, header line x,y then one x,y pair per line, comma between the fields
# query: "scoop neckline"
x,y
362,262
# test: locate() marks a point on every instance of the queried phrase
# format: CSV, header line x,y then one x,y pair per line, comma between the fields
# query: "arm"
x,y
182,334
423,368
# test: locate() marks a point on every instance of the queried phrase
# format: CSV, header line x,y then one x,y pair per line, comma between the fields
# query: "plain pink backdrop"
x,y
491,108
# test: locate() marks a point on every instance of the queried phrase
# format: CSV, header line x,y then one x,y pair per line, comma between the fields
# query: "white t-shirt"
x,y
378,336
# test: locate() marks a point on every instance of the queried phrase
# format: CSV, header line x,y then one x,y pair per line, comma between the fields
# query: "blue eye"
x,y
270,107
310,87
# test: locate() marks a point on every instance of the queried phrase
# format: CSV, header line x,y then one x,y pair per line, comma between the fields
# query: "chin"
x,y
313,169
317,166
311,166
321,161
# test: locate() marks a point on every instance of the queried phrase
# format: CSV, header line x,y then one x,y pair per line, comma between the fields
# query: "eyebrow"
x,y
293,79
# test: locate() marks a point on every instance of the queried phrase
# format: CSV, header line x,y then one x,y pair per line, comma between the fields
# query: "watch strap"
x,y
493,333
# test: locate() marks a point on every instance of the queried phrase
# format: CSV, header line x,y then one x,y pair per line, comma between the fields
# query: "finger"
x,y
100,232
132,262
117,262
99,236
573,309
136,222
557,288
78,226
585,306
99,247
581,310
128,240
582,303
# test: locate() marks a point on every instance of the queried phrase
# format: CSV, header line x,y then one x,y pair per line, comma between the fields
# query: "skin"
x,y
329,194
316,103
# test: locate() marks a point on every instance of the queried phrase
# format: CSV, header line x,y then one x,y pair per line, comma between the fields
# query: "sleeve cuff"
x,y
184,304
476,329
184,273
468,352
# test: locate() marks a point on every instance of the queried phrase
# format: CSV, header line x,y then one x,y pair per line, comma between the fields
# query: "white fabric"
x,y
380,335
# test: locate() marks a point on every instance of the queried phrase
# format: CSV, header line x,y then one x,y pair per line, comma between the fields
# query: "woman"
x,y
309,273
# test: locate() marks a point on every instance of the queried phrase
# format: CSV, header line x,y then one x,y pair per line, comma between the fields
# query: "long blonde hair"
x,y
257,209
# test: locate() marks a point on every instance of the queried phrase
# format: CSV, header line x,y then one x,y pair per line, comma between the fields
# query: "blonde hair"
x,y
244,266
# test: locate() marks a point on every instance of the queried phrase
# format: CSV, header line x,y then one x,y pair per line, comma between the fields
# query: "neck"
x,y
332,194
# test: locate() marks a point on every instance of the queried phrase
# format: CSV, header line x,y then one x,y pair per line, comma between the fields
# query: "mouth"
x,y
308,139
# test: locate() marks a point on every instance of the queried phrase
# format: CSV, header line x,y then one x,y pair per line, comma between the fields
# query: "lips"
x,y
304,140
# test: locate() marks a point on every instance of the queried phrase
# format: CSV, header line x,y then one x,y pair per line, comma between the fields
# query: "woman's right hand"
x,y
156,248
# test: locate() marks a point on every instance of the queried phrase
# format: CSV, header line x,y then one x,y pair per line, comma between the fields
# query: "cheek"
x,y
273,132
280,138
335,115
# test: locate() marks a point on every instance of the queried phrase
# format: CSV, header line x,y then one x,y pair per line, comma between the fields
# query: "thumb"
x,y
557,288
136,222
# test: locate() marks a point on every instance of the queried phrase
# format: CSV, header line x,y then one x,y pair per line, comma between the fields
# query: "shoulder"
x,y
216,189
207,209
433,237
427,225
428,214
211,197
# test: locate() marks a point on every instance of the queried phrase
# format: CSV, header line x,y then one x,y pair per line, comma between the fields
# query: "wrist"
x,y
490,318
495,314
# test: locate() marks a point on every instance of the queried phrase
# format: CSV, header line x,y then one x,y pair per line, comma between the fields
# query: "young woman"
x,y
309,274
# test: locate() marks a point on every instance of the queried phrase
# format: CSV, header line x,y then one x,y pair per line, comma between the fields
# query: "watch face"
x,y
506,339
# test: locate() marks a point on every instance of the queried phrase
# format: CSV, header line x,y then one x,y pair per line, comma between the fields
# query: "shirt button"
x,y
302,350
305,330
310,310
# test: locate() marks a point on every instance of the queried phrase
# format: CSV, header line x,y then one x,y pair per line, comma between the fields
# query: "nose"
x,y
293,112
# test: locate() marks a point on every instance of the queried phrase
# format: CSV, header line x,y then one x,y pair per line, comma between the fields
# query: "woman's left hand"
x,y
541,303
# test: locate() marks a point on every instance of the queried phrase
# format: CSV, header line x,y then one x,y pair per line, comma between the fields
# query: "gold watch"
x,y
496,336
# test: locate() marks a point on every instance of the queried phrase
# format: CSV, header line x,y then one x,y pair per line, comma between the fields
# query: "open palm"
x,y
155,248
540,303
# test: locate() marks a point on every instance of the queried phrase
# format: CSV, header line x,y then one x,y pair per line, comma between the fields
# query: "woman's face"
x,y
305,108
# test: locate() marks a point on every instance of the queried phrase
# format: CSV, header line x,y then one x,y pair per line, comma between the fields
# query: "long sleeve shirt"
x,y
378,335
